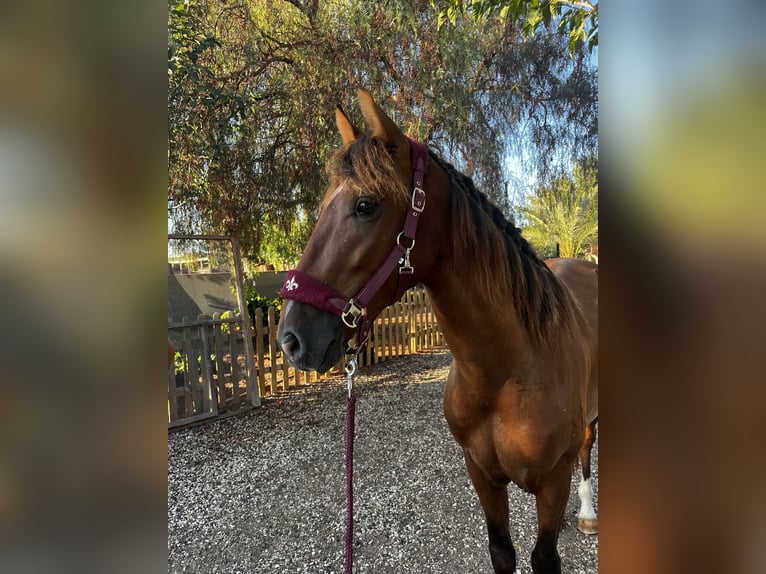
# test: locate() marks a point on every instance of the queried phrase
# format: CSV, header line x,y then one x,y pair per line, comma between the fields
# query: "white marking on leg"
x,y
585,490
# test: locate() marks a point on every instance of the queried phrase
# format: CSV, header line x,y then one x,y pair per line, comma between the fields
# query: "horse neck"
x,y
479,334
474,327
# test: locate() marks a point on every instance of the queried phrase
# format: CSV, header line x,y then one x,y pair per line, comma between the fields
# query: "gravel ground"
x,y
264,492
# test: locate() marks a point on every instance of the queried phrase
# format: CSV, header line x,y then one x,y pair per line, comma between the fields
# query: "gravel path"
x,y
264,492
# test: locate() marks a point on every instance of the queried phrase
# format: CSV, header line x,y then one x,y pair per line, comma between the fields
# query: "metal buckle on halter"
x,y
354,311
418,200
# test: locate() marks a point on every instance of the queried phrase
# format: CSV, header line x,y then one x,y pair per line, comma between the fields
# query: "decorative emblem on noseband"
x,y
353,311
291,284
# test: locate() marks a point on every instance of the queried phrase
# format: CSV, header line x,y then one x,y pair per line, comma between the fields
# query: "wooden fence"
x,y
221,384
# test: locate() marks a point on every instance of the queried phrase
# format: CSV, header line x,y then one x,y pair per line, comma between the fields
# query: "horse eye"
x,y
365,206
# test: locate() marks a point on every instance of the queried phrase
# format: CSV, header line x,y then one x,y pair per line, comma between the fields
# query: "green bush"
x,y
255,300
259,301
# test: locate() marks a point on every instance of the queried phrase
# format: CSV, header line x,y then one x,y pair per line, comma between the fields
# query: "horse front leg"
x,y
551,496
587,521
494,501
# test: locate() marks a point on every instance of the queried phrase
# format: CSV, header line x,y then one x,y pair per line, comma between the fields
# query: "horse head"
x,y
366,225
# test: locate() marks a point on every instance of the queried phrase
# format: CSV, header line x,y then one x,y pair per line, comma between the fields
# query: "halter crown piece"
x,y
353,311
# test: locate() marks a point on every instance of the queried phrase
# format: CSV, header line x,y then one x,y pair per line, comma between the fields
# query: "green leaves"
x,y
283,241
452,11
578,19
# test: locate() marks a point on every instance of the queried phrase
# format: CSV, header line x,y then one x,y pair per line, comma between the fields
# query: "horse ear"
x,y
348,131
382,126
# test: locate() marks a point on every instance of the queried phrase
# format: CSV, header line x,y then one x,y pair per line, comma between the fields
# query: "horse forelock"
x,y
369,168
506,266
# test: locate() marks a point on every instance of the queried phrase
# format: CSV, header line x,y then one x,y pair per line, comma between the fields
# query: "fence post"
x,y
220,387
190,361
372,348
259,350
431,325
396,308
209,405
273,350
252,387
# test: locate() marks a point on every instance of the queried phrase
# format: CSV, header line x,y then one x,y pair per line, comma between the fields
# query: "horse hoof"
x,y
587,525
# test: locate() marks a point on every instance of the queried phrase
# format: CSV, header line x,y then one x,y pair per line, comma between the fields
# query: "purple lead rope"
x,y
351,367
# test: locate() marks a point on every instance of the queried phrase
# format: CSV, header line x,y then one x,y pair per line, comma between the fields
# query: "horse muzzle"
x,y
310,338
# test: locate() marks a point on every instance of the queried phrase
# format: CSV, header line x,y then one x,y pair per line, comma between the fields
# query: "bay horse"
x,y
521,394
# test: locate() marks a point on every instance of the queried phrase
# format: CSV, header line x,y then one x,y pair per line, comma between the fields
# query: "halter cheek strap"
x,y
306,289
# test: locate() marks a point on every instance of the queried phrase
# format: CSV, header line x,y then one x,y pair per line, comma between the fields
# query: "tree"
x,y
281,244
252,87
578,17
564,212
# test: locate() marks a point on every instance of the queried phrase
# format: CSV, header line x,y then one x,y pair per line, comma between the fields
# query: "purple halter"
x,y
353,311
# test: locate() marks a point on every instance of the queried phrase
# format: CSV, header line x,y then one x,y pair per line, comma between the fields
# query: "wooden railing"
x,y
221,384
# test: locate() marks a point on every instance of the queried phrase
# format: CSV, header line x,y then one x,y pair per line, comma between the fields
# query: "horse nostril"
x,y
289,344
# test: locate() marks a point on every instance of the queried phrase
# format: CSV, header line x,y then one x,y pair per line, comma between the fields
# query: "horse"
x,y
521,394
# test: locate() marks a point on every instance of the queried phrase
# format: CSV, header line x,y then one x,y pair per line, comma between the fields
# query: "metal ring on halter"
x,y
351,367
399,241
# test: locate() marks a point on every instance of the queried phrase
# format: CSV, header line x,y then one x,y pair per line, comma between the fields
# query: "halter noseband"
x,y
306,289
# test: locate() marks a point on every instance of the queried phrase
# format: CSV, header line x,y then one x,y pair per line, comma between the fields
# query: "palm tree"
x,y
564,212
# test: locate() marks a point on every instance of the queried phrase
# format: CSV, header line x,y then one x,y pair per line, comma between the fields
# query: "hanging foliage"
x,y
253,86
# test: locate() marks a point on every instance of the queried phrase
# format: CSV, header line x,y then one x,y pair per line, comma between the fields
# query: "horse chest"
x,y
504,437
